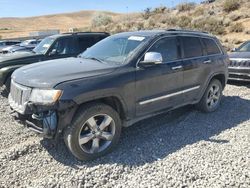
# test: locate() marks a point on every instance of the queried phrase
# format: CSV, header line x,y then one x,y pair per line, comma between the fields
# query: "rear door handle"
x,y
207,62
177,67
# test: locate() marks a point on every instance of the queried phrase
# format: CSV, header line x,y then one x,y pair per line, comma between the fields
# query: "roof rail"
x,y
76,33
186,30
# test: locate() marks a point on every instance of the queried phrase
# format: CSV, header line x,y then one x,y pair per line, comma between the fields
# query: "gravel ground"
x,y
184,148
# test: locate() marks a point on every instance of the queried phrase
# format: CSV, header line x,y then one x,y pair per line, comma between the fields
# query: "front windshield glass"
x,y
114,49
244,47
44,45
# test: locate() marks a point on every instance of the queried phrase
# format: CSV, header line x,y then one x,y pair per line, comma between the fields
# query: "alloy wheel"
x,y
97,133
214,95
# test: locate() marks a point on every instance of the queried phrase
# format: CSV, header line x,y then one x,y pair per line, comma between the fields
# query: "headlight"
x,y
45,96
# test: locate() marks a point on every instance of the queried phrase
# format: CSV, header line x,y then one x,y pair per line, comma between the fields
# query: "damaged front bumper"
x,y
49,121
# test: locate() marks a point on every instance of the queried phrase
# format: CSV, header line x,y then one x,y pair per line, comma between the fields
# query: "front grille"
x,y
239,63
19,96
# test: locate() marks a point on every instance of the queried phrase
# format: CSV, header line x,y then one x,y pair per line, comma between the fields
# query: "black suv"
x,y
122,79
53,47
239,66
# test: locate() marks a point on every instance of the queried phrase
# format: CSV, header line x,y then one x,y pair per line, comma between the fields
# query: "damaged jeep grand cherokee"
x,y
121,80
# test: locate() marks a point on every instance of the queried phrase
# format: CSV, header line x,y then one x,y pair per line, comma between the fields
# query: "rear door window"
x,y
191,47
210,46
167,47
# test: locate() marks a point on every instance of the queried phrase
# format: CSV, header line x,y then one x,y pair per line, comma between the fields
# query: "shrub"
x,y
184,21
237,28
235,17
185,7
147,13
101,20
160,10
209,24
231,5
199,11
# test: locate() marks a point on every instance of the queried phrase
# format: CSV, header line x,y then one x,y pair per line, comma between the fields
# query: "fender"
x,y
7,71
99,95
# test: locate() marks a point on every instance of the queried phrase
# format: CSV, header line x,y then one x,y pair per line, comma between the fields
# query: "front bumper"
x,y
239,73
49,121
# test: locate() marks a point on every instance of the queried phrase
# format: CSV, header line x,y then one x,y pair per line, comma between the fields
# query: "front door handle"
x,y
207,62
177,67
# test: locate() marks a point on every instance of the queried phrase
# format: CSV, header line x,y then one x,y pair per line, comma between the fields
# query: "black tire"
x,y
72,133
204,105
7,84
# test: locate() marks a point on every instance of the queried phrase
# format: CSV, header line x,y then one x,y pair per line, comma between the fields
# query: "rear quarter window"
x,y
191,47
210,46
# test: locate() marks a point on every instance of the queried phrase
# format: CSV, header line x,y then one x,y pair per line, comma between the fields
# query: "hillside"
x,y
18,27
227,19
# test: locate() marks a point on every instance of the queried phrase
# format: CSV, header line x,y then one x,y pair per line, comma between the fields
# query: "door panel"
x,y
195,73
157,86
194,68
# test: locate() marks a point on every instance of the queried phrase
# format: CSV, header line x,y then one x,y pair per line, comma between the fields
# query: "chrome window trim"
x,y
182,59
168,95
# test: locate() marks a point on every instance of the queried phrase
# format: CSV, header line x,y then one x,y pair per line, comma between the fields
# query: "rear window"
x,y
210,46
192,47
85,42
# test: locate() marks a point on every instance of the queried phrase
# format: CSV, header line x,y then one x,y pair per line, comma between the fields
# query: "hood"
x,y
240,55
13,48
15,56
48,74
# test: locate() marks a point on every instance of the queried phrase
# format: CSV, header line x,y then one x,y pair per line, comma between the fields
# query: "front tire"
x,y
94,132
7,84
211,99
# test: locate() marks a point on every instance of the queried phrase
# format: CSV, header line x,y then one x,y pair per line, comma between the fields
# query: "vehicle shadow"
x,y
156,138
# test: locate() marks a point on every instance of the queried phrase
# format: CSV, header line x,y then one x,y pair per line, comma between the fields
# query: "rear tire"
x,y
211,99
94,132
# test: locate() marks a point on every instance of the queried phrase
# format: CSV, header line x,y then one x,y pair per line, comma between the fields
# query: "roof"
x,y
148,33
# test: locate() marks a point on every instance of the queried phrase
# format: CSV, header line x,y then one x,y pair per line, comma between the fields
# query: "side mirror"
x,y
152,58
53,52
234,49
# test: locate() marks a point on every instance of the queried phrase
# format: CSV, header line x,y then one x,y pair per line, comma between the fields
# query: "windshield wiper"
x,y
94,58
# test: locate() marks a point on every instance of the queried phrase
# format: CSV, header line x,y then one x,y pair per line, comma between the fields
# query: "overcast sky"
x,y
25,8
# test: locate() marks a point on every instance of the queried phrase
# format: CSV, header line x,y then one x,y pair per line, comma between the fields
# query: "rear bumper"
x,y
239,73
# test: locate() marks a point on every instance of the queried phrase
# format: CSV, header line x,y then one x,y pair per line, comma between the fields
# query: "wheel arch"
x,y
114,101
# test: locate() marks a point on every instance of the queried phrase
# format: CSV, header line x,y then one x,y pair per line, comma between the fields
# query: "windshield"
x,y
244,47
44,45
114,49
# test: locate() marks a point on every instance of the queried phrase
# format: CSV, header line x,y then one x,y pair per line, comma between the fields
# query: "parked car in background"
x,y
26,45
239,66
53,47
122,79
4,44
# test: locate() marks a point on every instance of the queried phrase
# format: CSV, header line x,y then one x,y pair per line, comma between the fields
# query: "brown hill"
x,y
17,27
